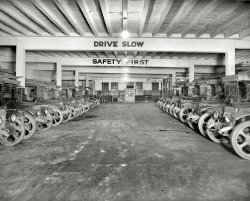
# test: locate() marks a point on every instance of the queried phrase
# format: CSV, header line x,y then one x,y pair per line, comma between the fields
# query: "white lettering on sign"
x,y
116,44
139,62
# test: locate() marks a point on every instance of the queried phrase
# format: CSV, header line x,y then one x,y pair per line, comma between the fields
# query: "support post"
x,y
173,78
191,73
20,64
230,62
77,78
59,74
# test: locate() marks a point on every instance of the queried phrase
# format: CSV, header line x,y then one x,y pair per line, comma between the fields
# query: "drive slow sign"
x,y
115,44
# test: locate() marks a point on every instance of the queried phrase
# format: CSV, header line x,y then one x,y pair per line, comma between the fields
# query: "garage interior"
x,y
124,100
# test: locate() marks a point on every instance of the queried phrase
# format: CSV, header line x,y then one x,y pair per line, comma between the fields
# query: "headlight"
x,y
216,114
13,117
45,111
38,113
0,120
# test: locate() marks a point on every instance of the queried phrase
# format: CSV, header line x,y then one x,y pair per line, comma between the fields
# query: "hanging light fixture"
x,y
125,33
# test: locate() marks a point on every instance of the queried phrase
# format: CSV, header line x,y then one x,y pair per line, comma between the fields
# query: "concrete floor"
x,y
122,152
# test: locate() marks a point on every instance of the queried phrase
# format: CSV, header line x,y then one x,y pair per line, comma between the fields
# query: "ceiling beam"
x,y
222,16
147,9
245,33
185,9
19,18
204,12
83,4
124,14
69,14
31,14
164,13
9,30
51,16
14,24
232,20
105,14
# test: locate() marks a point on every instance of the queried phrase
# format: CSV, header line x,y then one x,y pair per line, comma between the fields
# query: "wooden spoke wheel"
x,y
184,114
212,133
57,116
29,124
45,125
16,133
202,123
240,140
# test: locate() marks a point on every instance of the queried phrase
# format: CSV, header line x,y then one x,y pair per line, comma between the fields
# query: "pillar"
x,y
87,81
20,64
173,79
59,74
109,86
191,73
77,78
230,62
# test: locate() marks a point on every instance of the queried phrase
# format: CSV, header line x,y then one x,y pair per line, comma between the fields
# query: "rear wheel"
x,y
15,133
240,140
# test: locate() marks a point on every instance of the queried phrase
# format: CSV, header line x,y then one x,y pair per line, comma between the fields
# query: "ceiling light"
x,y
125,34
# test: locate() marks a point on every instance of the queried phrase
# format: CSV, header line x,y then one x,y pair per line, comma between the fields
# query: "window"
x,y
139,86
105,86
155,86
114,85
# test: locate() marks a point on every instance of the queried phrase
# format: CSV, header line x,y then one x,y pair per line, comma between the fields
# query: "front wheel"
x,y
202,123
240,140
16,133
212,132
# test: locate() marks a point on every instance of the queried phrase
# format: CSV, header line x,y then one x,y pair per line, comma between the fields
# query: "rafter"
x,y
98,54
51,16
20,19
106,53
222,16
146,11
88,54
153,54
83,4
69,14
185,9
14,25
231,21
30,13
245,33
115,53
9,30
134,54
164,13
106,17
204,12
41,53
163,54
124,14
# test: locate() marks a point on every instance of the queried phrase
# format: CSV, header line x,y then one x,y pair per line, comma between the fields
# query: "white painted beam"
x,y
181,14
106,17
83,4
146,44
51,15
147,5
30,13
163,15
204,12
68,12
150,62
